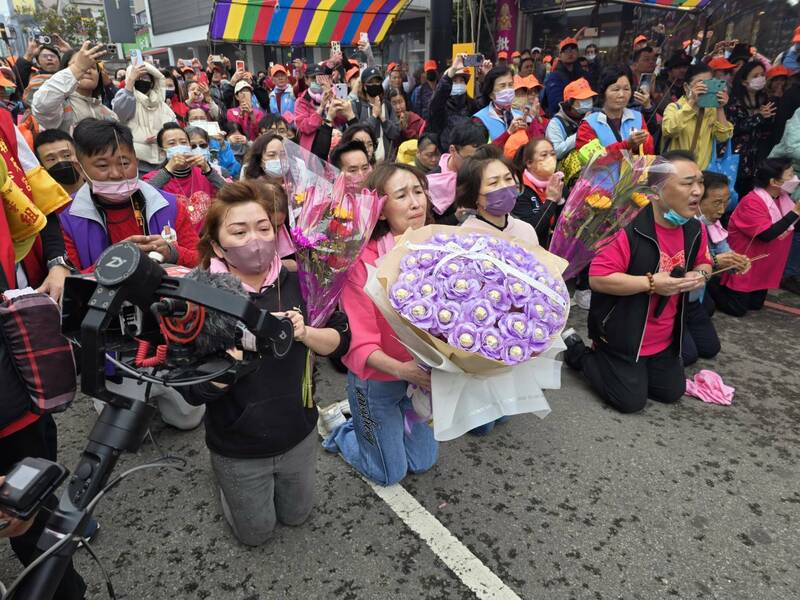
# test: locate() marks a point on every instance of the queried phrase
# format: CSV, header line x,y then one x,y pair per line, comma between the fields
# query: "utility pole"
x,y
441,26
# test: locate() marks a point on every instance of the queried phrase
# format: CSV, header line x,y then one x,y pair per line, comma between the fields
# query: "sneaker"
x,y
575,348
570,337
791,284
330,417
583,298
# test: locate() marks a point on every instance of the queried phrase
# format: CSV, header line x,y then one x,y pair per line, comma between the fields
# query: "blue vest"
x,y
495,126
631,119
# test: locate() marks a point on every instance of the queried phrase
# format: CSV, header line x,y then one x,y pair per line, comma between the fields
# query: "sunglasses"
x,y
201,145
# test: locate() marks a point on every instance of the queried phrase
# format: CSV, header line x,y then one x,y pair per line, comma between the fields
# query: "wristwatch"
x,y
61,261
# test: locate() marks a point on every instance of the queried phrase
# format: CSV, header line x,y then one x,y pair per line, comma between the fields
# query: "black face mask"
x,y
430,75
373,89
143,85
169,93
64,172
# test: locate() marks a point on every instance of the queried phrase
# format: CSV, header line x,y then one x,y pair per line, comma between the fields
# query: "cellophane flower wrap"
x,y
303,172
330,231
484,301
608,195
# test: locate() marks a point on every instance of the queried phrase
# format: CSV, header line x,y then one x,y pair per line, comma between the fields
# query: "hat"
x,y
720,64
314,69
530,82
777,71
7,77
547,59
462,73
536,49
392,66
579,90
371,73
279,68
639,38
185,69
351,72
796,36
407,152
502,55
569,41
679,59
515,54
241,85
430,65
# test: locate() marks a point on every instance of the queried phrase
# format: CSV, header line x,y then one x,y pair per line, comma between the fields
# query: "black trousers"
x,y
735,303
627,384
700,338
38,440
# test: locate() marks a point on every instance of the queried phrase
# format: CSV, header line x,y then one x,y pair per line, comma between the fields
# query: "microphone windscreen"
x,y
219,330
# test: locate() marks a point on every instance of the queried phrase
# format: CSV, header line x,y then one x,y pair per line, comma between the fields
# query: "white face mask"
x,y
584,106
757,83
590,56
458,89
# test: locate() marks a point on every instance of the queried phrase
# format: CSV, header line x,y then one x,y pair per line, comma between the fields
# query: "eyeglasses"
x,y
200,145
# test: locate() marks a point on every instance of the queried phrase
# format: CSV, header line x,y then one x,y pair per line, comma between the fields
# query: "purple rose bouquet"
x,y
480,294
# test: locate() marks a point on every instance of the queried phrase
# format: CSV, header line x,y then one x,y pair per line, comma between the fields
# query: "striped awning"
x,y
302,22
678,4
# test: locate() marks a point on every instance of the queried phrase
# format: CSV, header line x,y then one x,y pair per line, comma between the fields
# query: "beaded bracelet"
x,y
651,280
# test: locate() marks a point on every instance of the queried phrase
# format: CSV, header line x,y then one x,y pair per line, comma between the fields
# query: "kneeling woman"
x,y
374,441
261,436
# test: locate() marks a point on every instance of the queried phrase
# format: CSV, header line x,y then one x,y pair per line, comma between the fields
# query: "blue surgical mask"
x,y
204,152
273,167
176,150
584,106
674,218
458,89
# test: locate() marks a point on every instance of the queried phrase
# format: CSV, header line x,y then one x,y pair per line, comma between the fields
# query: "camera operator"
x,y
261,430
114,206
22,432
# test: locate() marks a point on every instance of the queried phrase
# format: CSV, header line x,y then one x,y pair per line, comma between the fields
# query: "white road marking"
x,y
467,567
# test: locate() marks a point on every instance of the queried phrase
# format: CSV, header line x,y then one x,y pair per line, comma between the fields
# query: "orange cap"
x,y
639,38
796,37
530,82
5,81
579,90
430,65
547,58
720,64
279,68
570,41
779,71
515,54
502,55
352,72
392,66
686,43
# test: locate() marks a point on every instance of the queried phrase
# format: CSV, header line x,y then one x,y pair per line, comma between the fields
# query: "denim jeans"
x,y
374,441
793,264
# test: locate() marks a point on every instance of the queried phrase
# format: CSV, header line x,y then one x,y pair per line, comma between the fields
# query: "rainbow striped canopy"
x,y
302,22
681,4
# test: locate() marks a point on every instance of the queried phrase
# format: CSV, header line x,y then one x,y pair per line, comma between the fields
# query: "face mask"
x,y
143,85
757,83
238,148
501,202
373,89
790,186
64,172
430,75
9,90
547,166
520,102
674,218
116,192
169,93
315,88
458,89
176,150
590,56
584,106
252,258
281,86
354,183
273,167
204,152
504,98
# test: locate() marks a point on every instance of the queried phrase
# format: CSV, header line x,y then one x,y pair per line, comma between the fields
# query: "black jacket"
x,y
262,414
540,214
448,112
617,323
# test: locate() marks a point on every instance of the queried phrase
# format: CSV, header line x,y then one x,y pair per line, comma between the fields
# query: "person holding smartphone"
x,y
688,126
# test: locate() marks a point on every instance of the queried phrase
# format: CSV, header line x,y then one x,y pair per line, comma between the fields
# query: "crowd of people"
x,y
189,161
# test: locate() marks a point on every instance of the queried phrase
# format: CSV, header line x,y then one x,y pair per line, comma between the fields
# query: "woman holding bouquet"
x,y
260,435
375,441
615,127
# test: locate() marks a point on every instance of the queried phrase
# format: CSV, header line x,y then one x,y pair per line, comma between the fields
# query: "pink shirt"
x,y
370,331
442,186
516,228
615,258
750,217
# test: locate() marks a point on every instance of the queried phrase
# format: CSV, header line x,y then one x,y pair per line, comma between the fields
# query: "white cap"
x,y
241,85
536,49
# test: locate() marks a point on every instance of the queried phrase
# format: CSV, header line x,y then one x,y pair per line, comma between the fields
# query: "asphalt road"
x,y
684,501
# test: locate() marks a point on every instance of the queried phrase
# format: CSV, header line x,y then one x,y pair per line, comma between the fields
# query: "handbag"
x,y
30,325
727,164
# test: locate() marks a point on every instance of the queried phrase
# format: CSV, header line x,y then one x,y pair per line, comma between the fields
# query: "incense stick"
x,y
752,260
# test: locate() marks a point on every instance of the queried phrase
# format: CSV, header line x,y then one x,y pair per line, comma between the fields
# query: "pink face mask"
x,y
252,258
116,192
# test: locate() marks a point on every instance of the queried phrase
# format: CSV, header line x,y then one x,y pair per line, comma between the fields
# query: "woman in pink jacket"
x,y
375,440
245,114
310,108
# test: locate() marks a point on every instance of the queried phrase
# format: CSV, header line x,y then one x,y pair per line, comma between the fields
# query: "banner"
x,y
467,48
302,22
24,7
119,21
506,36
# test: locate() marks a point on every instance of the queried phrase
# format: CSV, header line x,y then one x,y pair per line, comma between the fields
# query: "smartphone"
x,y
591,31
111,49
646,82
149,59
364,37
709,99
136,57
240,65
216,58
44,39
473,60
340,90
202,78
336,47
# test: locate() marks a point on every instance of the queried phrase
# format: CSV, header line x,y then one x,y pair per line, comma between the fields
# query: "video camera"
x,y
131,296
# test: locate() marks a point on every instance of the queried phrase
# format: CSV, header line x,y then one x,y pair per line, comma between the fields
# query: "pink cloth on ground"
x,y
442,186
709,387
